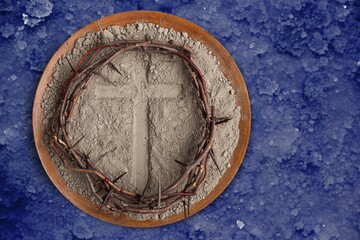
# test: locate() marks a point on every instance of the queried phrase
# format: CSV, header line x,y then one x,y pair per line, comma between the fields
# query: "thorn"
x,y
88,154
106,79
181,163
222,120
106,199
87,159
184,204
118,178
212,155
116,68
77,142
105,154
109,81
72,68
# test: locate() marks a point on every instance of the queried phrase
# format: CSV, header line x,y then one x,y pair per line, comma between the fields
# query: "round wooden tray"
x,y
227,65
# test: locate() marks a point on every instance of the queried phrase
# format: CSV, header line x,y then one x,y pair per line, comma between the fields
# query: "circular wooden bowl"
x,y
227,65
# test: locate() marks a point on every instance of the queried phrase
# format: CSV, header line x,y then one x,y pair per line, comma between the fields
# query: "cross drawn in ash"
x,y
141,91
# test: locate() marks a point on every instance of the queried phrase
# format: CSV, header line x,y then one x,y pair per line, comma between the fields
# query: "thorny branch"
x,y
110,194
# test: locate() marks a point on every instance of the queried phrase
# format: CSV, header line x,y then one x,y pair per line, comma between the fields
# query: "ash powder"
x,y
146,115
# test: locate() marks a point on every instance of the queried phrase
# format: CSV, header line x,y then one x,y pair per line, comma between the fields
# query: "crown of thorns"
x,y
112,196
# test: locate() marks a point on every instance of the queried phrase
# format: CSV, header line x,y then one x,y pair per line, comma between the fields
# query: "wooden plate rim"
x,y
227,65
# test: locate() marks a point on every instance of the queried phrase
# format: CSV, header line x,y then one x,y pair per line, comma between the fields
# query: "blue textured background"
x,y
300,177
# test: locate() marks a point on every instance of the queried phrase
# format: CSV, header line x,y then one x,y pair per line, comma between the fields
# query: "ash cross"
x,y
141,91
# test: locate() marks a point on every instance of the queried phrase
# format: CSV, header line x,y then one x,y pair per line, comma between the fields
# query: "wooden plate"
x,y
227,65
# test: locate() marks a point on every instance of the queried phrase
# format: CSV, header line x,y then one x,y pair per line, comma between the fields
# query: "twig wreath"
x,y
110,195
